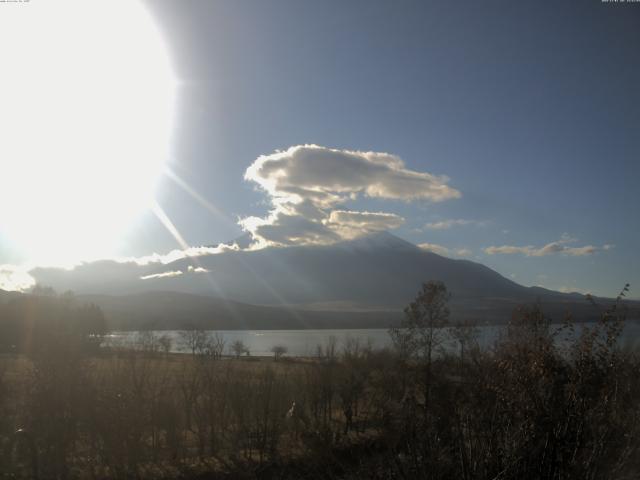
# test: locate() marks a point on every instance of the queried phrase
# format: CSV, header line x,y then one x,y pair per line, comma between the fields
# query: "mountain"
x,y
343,284
376,270
7,295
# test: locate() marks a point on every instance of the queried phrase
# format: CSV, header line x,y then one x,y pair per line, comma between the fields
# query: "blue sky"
x,y
531,109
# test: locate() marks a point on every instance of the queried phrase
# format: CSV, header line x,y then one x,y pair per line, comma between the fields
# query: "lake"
x,y
304,342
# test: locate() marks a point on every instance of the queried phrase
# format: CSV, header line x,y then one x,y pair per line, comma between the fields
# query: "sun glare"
x,y
86,101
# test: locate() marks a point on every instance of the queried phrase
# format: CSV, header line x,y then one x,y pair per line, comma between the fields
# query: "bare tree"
x,y
238,348
147,341
465,333
421,331
328,352
215,345
194,340
165,343
278,351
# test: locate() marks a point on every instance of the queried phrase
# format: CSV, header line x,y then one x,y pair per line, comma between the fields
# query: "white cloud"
x,y
308,186
580,251
551,248
281,228
21,277
353,224
447,224
13,277
508,249
565,289
435,248
193,269
442,250
170,274
311,171
178,254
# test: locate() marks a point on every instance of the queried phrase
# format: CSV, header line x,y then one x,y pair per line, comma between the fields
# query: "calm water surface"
x,y
305,342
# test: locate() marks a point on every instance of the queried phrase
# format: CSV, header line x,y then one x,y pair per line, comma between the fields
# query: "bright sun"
x,y
86,99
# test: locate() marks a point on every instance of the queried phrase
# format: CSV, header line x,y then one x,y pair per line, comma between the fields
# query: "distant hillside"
x,y
173,310
6,296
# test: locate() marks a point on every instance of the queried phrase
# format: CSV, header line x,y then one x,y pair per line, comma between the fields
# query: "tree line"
x,y
30,323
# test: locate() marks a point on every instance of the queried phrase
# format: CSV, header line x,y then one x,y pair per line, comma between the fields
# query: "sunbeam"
x,y
195,195
175,233
168,224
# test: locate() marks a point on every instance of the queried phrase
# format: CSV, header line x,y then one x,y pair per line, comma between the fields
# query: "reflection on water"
x,y
305,342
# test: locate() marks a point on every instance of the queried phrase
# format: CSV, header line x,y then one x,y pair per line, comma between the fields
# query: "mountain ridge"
x,y
365,282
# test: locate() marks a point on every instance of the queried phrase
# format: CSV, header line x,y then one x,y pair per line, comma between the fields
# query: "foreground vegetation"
x,y
539,404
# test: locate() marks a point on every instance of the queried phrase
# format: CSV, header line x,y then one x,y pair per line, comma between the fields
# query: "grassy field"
x,y
165,414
